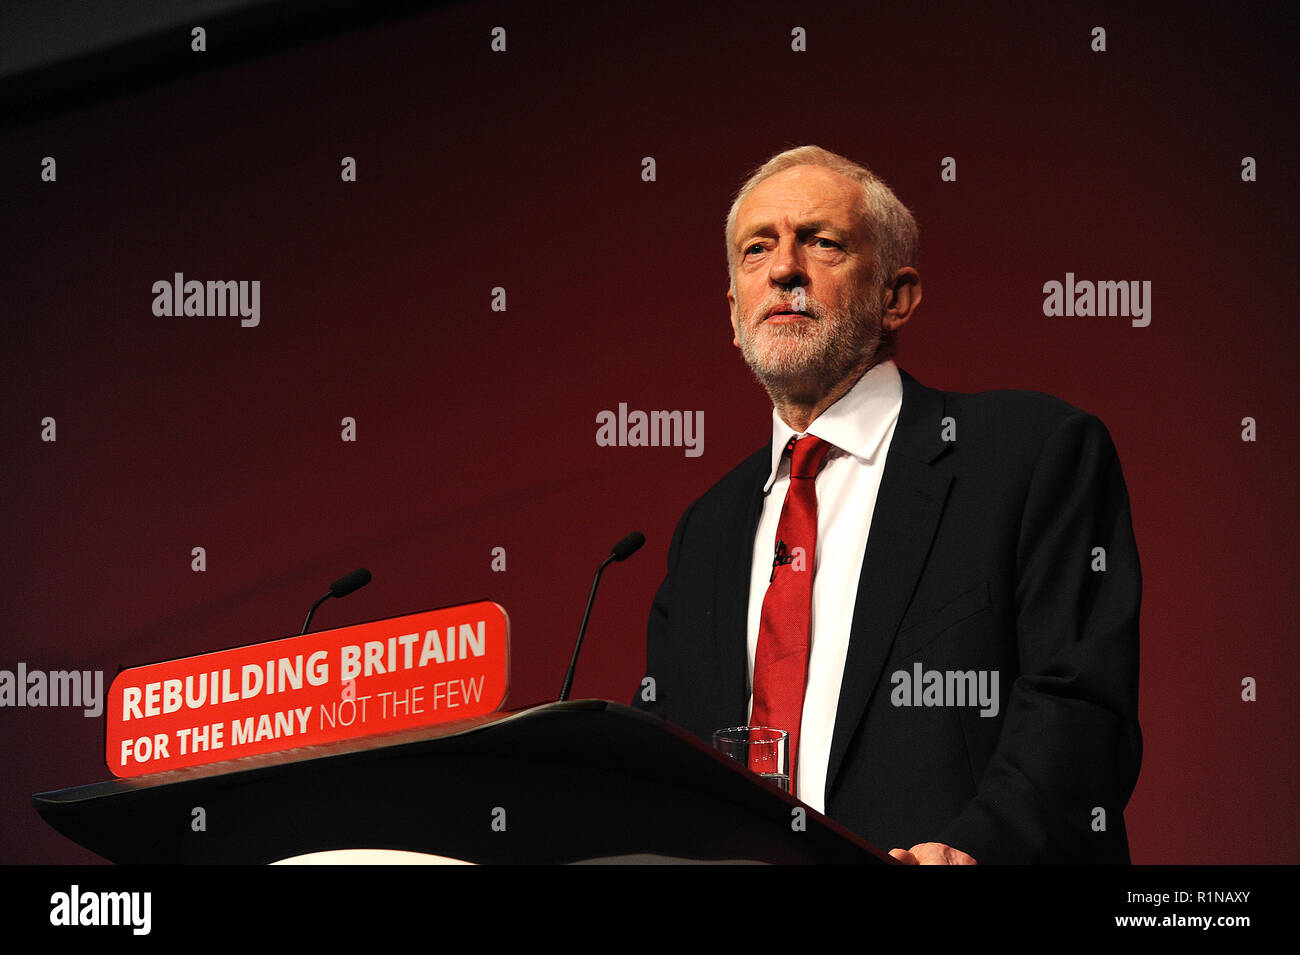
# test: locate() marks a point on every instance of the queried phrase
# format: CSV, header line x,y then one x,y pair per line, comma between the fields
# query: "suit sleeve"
x,y
1070,746
659,660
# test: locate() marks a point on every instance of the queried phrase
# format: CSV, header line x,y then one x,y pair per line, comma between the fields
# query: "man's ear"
x,y
902,299
731,304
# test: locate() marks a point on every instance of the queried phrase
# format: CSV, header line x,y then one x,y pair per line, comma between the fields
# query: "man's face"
x,y
805,310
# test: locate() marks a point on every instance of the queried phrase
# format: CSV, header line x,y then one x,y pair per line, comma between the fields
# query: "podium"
x,y
580,781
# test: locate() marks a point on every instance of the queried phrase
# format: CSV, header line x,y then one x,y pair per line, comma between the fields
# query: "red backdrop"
x,y
476,428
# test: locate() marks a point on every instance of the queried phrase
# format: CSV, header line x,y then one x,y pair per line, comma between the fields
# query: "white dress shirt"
x,y
860,426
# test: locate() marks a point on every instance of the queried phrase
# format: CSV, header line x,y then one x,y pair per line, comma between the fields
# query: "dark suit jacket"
x,y
981,557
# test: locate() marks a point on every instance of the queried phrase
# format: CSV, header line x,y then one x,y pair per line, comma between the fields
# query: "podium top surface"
x,y
556,783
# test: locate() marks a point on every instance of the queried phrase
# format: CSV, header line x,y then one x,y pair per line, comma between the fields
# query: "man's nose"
x,y
787,265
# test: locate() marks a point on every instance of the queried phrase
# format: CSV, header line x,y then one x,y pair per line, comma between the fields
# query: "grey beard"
x,y
808,372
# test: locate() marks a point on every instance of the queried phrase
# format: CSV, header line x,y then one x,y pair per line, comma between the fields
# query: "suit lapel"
x,y
908,505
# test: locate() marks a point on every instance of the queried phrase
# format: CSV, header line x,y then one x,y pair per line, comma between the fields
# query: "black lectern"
x,y
581,781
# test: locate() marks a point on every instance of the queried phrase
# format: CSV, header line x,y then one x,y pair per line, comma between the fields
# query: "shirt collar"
x,y
856,424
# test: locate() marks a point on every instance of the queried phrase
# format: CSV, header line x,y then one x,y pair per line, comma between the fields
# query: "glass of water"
x,y
764,750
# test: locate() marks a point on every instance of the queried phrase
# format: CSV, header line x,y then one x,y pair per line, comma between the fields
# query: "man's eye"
x,y
826,243
757,246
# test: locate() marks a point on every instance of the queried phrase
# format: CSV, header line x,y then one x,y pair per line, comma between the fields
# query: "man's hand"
x,y
932,853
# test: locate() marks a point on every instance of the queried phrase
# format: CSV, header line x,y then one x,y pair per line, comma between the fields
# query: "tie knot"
x,y
807,455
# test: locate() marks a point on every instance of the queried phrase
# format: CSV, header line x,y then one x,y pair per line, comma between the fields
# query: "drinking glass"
x,y
764,750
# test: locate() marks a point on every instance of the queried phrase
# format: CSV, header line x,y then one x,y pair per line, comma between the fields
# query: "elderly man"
x,y
935,594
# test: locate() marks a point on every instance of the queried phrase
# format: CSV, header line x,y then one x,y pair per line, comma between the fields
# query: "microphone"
x,y
350,582
340,588
624,549
628,546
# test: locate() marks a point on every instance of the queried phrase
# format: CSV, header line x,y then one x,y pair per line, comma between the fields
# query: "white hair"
x,y
893,230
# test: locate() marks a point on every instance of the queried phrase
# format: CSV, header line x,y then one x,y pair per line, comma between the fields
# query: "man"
x,y
935,594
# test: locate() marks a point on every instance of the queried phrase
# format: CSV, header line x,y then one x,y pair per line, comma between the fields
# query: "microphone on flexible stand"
x,y
340,588
624,549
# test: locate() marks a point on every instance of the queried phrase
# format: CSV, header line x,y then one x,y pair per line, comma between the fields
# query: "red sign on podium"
x,y
416,670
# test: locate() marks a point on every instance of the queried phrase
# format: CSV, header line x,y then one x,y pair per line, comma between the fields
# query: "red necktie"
x,y
781,658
